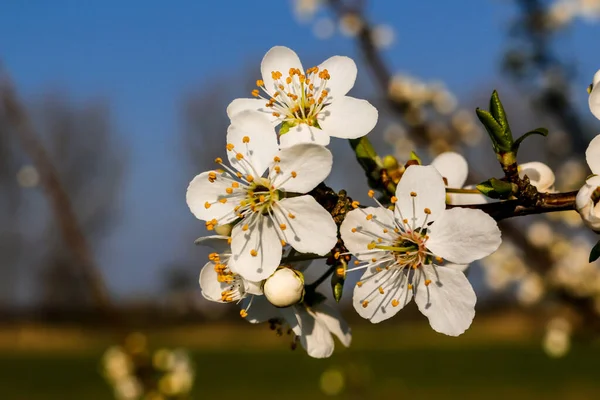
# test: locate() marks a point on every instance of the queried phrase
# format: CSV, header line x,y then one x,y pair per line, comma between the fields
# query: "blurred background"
x,y
108,110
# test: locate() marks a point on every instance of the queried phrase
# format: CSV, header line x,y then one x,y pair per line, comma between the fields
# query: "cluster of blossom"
x,y
136,373
563,12
266,219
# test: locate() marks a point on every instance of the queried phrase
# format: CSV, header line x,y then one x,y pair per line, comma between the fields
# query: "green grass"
x,y
478,372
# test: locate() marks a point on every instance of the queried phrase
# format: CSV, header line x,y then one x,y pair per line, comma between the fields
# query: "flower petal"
x,y
302,167
303,133
456,267
342,71
281,59
253,136
203,190
315,336
334,322
358,232
462,235
256,252
592,154
260,309
239,105
218,243
210,286
428,185
540,175
348,118
310,230
453,167
594,99
448,302
589,212
375,306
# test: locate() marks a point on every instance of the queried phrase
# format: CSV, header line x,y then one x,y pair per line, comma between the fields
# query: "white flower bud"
x,y
284,288
594,99
586,207
539,174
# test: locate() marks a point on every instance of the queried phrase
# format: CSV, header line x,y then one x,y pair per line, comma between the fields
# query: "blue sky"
x,y
145,56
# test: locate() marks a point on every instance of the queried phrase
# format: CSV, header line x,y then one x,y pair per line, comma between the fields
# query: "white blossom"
x,y
312,325
284,288
594,99
588,197
267,218
540,175
402,252
312,103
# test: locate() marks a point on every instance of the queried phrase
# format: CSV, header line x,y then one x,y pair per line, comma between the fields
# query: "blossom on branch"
x,y
403,253
267,216
309,105
588,197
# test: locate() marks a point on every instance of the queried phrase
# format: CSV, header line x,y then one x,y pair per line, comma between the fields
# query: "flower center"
x,y
296,98
260,197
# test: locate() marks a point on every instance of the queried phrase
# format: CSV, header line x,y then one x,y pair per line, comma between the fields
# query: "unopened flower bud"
x,y
540,175
284,288
588,203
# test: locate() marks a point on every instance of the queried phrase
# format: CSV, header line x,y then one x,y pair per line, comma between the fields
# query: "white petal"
x,y
592,154
453,167
379,306
430,191
315,337
342,71
211,287
261,237
358,242
239,105
261,146
448,302
456,267
334,322
540,175
201,191
348,118
217,242
590,213
463,235
260,309
594,100
281,59
312,230
303,133
253,287
311,163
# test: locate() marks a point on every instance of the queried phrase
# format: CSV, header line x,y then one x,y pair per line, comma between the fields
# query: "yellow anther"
x,y
354,230
381,290
357,263
239,156
229,240
373,259
283,243
276,75
255,93
405,220
378,269
238,174
222,200
395,303
218,160
379,240
359,283
260,83
229,146
371,246
413,194
276,159
249,178
369,217
207,205
371,193
243,313
294,174
246,139
212,176
245,227
262,198
340,272
235,185
336,255
409,286
288,80
213,256
229,190
394,199
292,216
253,253
277,169
365,304
427,282
427,211
283,226
385,230
355,204
276,114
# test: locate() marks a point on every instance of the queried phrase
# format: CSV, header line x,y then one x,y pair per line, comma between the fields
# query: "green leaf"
x,y
414,156
496,124
367,157
497,189
497,110
595,253
538,131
